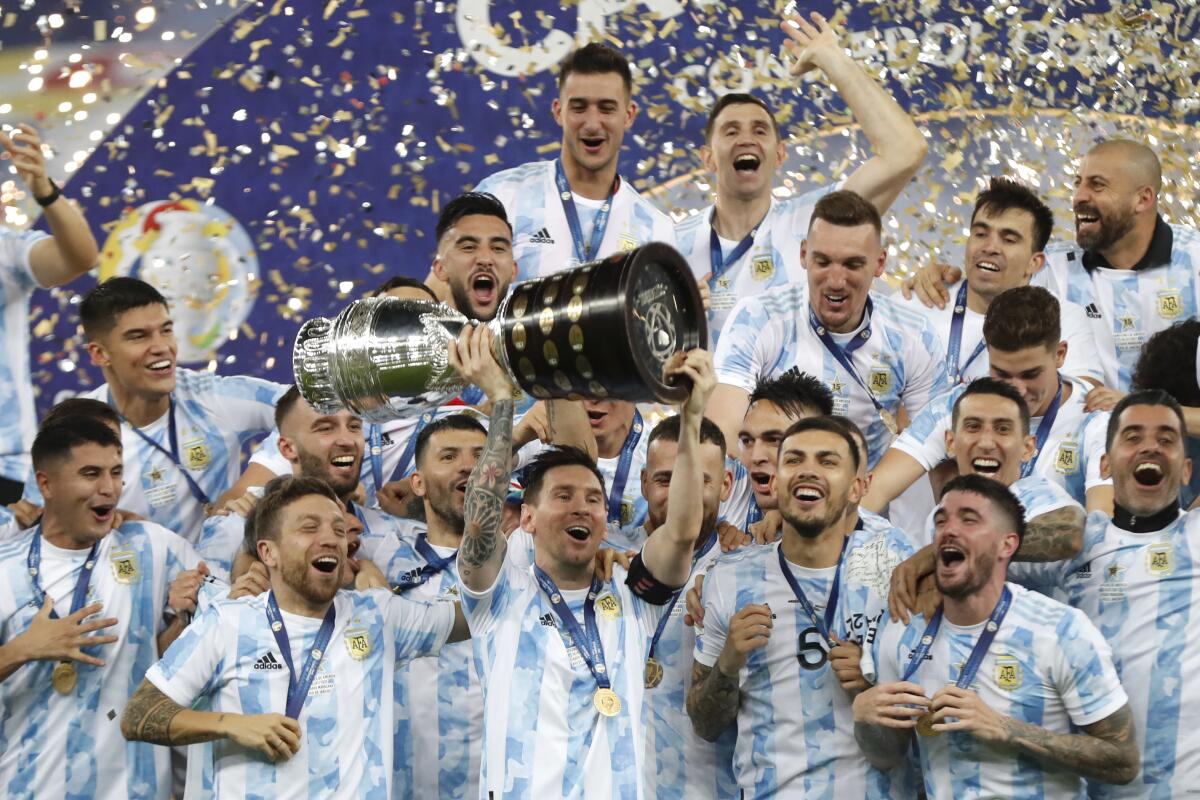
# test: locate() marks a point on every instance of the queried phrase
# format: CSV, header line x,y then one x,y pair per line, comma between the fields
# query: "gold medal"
x,y
654,673
925,725
607,702
64,678
889,421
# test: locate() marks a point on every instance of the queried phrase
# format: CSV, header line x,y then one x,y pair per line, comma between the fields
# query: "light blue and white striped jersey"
x,y
736,510
1047,666
220,541
54,745
1082,359
215,415
542,243
437,744
633,505
902,362
626,538
1036,494
346,719
19,423
795,728
771,262
383,534
1141,589
542,737
1070,456
1125,307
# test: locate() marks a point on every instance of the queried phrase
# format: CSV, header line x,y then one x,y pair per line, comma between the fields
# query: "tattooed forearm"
x,y
148,716
712,702
1107,751
1053,536
486,492
883,747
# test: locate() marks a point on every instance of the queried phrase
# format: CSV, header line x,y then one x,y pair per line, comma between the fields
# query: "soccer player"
x,y
1009,229
784,624
29,260
183,431
748,242
621,439
576,208
71,577
1026,351
1013,694
323,657
874,355
563,653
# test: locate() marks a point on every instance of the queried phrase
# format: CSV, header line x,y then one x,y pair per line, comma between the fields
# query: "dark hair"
x,y
855,432
278,494
468,204
1027,316
1145,397
596,59
557,456
735,99
100,308
1001,498
668,428
82,407
284,405
454,422
846,209
1162,360
828,425
402,282
996,388
794,393
54,442
1003,194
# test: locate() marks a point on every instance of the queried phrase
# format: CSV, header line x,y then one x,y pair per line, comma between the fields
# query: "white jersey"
x,y
542,243
795,728
17,283
221,537
1070,456
1036,494
633,509
54,745
1141,589
741,508
902,361
1047,666
1125,307
215,416
229,658
542,736
1082,360
771,261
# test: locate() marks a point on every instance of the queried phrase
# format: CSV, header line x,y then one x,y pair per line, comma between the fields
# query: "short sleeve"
x,y
190,668
15,250
1084,672
744,349
710,640
1047,497
925,437
220,540
1083,359
1095,432
267,455
421,627
884,651
925,371
484,609
246,404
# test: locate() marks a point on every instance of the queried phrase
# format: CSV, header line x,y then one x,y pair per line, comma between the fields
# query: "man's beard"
x,y
982,572
812,527
297,576
1111,230
464,304
444,504
313,467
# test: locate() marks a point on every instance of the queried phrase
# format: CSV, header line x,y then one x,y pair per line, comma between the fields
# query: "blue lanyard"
x,y
617,490
753,514
173,454
592,250
298,689
590,648
410,447
824,626
842,354
375,439
956,329
717,262
434,565
1043,431
662,623
977,653
34,561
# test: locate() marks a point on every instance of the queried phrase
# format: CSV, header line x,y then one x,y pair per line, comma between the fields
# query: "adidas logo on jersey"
x,y
542,237
548,620
268,662
1093,312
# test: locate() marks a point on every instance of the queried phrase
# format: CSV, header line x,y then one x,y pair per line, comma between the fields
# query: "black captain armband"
x,y
646,586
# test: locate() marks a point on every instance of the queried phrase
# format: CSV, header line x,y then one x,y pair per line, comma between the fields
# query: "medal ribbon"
x,y
173,454
588,643
617,490
842,354
434,565
1043,431
824,626
977,652
717,262
582,254
375,439
956,329
34,561
298,689
662,623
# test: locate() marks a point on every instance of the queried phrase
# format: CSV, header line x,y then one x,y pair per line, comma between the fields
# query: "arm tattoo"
x,y
1053,536
487,490
712,702
883,747
1107,751
148,716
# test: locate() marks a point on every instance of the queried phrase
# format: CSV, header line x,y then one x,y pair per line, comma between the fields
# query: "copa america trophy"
x,y
599,330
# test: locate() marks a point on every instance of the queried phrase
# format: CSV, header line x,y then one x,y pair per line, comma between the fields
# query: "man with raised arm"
x,y
563,654
748,242
1014,695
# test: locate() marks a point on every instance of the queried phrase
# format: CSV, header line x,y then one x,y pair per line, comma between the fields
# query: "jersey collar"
x,y
1158,254
1126,520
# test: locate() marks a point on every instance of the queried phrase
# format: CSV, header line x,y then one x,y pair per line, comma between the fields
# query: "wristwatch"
x,y
55,193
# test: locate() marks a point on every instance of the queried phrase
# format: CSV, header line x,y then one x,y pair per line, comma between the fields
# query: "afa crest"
x,y
1066,461
1008,673
1160,559
197,454
880,380
762,268
125,567
608,605
1170,304
358,644
627,243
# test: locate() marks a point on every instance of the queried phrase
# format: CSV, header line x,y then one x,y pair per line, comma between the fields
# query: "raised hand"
x,y
50,639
